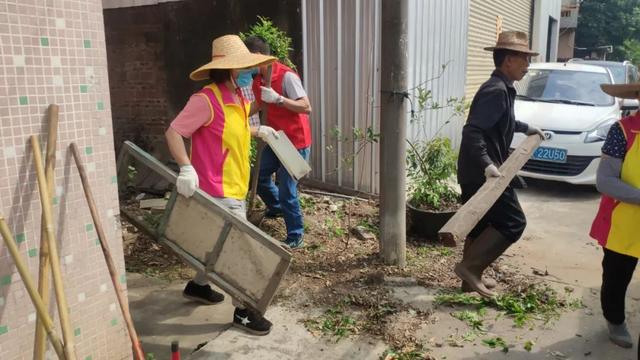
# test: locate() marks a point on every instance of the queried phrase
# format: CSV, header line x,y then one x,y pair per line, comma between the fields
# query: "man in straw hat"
x,y
216,119
486,138
287,109
616,224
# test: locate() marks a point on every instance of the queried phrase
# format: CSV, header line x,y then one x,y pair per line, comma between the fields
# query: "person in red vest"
x,y
287,110
616,224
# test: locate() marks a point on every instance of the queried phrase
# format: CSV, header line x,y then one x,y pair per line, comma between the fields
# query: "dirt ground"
x,y
341,290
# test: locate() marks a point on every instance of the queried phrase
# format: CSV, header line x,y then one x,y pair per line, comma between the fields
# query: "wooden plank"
x,y
288,155
466,218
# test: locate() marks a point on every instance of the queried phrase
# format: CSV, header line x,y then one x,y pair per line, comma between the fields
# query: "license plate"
x,y
550,154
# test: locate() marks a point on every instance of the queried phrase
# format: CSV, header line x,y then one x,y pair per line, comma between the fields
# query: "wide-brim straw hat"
x,y
623,91
514,41
229,52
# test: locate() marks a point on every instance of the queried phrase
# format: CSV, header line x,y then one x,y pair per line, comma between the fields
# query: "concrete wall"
x,y
545,11
53,51
566,44
152,50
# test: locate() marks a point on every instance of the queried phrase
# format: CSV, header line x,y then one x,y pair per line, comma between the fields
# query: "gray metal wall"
x,y
437,37
342,77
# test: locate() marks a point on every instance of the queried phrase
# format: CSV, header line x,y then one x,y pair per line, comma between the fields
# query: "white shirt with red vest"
x,y
295,125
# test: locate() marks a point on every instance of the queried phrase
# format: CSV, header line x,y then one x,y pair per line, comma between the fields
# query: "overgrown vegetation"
x,y
278,40
430,165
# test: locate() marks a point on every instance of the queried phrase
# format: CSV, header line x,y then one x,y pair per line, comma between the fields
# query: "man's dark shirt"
x,y
487,135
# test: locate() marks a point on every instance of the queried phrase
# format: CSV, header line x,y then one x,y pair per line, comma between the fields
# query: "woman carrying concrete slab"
x,y
216,119
616,224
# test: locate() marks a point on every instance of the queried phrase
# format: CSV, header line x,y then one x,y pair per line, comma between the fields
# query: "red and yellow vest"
x,y
295,126
220,148
617,224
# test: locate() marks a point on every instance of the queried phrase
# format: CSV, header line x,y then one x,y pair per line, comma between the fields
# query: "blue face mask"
x,y
245,77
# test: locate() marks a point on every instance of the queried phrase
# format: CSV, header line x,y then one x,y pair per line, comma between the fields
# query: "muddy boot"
x,y
481,253
488,282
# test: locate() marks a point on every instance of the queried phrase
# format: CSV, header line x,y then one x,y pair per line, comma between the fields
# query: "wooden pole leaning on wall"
x,y
42,311
61,299
255,171
468,216
124,306
40,344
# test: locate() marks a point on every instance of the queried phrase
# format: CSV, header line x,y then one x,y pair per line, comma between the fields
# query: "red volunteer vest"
x,y
295,125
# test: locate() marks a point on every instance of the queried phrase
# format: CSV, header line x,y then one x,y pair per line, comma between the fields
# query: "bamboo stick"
x,y
44,286
61,299
124,306
43,314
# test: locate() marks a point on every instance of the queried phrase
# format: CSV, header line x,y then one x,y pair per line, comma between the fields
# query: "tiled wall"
x,y
53,51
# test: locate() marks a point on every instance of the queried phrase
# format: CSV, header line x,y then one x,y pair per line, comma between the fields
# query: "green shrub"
x,y
278,40
430,165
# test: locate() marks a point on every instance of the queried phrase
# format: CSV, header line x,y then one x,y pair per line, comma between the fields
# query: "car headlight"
x,y
599,133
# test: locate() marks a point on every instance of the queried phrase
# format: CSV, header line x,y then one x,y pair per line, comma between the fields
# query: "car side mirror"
x,y
629,104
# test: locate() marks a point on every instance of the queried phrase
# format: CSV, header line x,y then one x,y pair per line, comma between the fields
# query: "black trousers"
x,y
505,215
617,271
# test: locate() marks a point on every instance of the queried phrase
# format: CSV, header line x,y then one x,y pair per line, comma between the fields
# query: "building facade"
x,y
53,52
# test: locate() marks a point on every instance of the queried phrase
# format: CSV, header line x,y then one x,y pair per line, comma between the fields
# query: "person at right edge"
x,y
486,138
616,224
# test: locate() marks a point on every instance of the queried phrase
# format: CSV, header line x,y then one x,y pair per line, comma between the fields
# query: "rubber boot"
x,y
488,282
619,335
481,253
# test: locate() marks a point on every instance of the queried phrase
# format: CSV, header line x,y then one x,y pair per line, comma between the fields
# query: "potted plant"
x,y
432,199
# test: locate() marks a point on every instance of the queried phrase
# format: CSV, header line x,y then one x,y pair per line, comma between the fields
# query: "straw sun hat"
x,y
623,91
229,52
514,41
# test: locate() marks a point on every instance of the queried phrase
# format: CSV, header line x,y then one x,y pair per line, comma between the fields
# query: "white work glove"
x,y
264,132
492,171
187,181
533,130
269,95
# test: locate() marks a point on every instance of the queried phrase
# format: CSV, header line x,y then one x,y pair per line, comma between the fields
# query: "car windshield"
x,y
618,72
565,86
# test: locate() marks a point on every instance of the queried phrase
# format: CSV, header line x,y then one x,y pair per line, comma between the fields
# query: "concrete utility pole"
x,y
393,117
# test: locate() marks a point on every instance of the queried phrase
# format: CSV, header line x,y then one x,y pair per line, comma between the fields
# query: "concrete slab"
x,y
288,340
161,315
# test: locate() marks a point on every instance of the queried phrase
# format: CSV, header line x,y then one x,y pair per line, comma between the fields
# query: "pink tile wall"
x,y
53,51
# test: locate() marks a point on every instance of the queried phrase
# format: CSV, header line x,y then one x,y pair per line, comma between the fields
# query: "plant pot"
x,y
425,224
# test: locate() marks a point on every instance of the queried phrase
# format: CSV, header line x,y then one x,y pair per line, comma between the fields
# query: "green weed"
x,y
496,342
532,303
412,354
473,318
334,322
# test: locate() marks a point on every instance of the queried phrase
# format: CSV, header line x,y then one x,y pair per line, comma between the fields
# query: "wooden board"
x,y
288,155
238,257
468,216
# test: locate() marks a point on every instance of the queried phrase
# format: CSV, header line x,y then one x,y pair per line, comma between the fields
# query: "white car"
x,y
566,102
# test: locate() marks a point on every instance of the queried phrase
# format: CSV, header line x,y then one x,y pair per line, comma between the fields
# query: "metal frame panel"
x,y
235,233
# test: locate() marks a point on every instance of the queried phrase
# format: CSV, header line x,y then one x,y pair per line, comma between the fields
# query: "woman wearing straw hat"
x,y
616,224
216,119
486,138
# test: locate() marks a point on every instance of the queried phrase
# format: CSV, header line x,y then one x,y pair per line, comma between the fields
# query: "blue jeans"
x,y
284,197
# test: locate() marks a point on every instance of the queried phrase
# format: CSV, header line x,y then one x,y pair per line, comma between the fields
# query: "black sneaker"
x,y
273,214
251,322
202,293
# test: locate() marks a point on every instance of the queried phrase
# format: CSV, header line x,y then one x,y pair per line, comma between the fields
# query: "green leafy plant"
x,y
278,40
496,342
430,165
529,345
473,318
531,303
